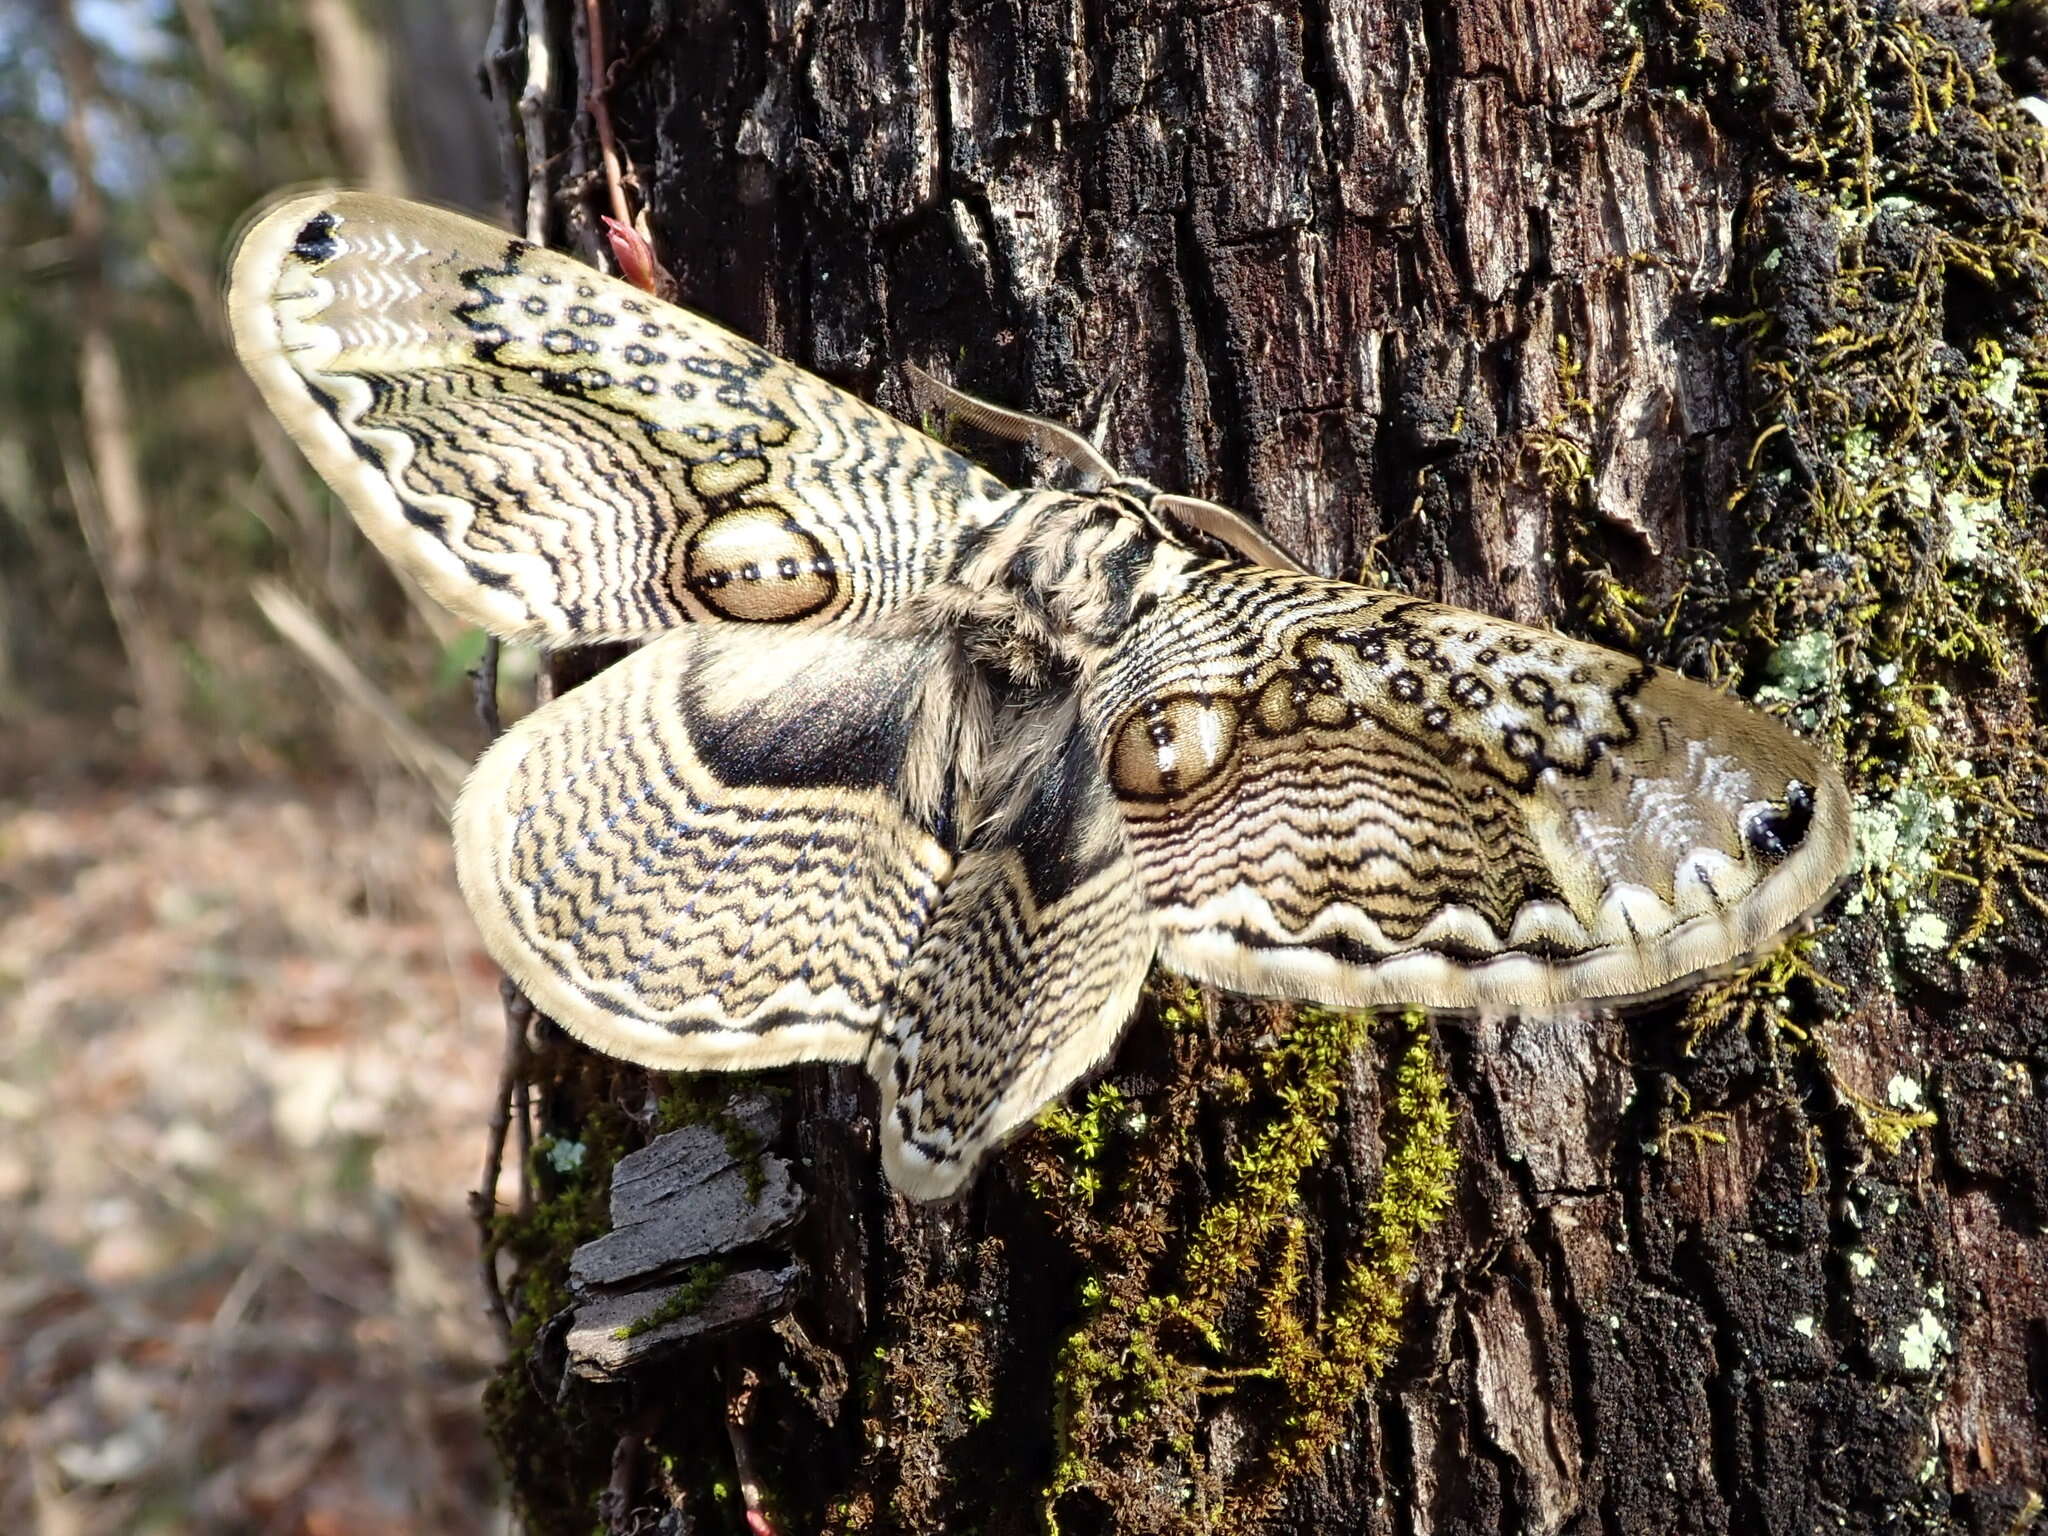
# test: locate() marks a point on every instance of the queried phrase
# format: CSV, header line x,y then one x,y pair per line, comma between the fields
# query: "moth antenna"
x,y
1096,412
1062,443
1226,527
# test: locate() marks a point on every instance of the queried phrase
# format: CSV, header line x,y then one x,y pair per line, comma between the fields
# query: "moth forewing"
x,y
1363,799
562,458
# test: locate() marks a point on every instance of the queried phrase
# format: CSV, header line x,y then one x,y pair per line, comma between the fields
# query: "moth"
x,y
923,772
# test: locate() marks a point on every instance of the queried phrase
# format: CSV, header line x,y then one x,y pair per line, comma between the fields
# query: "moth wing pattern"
x,y
1024,981
1359,798
560,458
721,851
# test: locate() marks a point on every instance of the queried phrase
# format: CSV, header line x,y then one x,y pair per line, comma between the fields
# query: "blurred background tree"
x,y
241,1006
142,489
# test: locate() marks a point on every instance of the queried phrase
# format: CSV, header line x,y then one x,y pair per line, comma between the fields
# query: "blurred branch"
x,y
148,658
357,79
440,769
10,701
40,260
114,502
212,51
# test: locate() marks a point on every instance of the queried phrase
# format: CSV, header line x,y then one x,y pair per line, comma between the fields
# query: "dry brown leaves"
x,y
247,1041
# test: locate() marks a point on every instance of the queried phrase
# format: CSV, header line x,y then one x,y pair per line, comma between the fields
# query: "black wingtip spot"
x,y
1776,830
315,242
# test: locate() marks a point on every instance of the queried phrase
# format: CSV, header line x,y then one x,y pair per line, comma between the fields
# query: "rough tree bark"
x,y
1707,330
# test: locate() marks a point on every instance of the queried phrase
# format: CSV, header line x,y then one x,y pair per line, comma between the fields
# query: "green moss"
x,y
707,1099
931,1385
572,1204
1181,1006
694,1287
1885,1126
1086,1136
1134,1378
1900,432
1306,1073
1323,1371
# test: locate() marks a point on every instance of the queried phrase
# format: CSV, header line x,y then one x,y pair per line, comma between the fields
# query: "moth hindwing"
x,y
922,772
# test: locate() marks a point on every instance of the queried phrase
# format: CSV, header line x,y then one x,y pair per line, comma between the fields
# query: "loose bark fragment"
x,y
613,1337
689,1195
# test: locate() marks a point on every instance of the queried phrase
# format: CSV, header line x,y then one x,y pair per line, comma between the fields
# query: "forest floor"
x,y
247,1046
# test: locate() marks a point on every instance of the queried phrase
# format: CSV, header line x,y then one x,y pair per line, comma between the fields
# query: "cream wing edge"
x,y
274,305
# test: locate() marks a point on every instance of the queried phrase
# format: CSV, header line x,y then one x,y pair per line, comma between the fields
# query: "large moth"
x,y
923,772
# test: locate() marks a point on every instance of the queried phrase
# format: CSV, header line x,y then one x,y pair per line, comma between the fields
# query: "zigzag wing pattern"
x,y
561,458
721,851
1023,982
1360,798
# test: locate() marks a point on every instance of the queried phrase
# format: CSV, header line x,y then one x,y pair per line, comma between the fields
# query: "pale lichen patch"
x,y
1924,1342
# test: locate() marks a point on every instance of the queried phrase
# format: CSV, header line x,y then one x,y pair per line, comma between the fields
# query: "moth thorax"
x,y
1084,567
1022,653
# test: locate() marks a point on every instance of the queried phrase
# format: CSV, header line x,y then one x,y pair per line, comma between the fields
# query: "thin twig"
x,y
483,1201
738,1405
513,1103
522,1120
596,98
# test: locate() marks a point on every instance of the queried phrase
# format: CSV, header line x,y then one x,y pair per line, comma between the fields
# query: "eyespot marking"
x,y
1776,830
757,565
315,242
1168,747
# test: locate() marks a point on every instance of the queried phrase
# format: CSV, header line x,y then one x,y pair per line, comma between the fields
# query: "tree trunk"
x,y
1707,332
